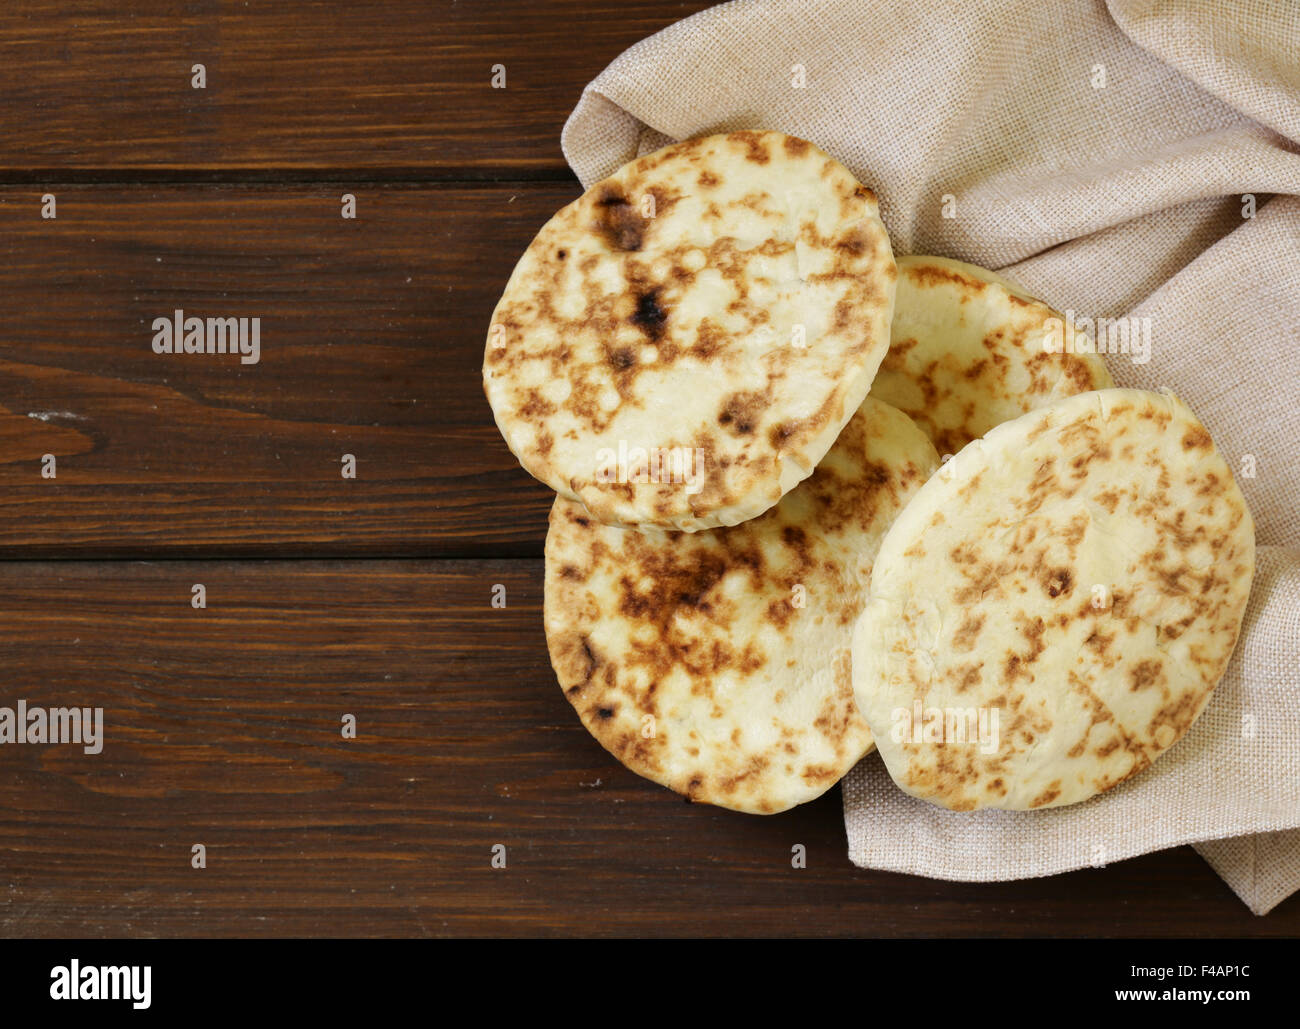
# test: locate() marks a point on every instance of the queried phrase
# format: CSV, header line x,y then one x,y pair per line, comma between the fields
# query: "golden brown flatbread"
x,y
717,663
969,350
680,346
1055,606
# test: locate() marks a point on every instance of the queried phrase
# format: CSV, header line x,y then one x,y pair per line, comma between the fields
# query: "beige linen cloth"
x,y
1107,156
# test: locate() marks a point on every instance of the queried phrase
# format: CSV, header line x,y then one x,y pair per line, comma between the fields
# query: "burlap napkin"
x,y
1132,158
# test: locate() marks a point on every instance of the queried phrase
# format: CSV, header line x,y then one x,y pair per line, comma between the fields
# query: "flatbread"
x,y
717,663
1080,575
969,350
687,368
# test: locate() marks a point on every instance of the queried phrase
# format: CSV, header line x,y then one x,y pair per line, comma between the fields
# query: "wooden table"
x,y
329,596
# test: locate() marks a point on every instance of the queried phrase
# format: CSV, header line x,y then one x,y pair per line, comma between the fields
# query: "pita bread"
x,y
717,663
1076,580
969,350
681,345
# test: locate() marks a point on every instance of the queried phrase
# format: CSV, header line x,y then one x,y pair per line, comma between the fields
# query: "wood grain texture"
x,y
222,728
373,87
372,344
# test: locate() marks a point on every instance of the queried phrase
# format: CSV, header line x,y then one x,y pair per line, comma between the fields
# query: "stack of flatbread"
x,y
814,500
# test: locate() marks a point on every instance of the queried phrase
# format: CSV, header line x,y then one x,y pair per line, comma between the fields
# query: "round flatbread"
x,y
969,350
716,663
1069,588
681,345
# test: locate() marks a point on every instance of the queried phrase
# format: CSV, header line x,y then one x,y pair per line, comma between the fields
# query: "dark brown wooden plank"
x,y
372,343
222,728
378,87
